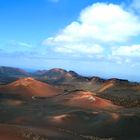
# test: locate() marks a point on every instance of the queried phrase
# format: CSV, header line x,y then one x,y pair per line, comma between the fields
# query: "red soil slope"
x,y
9,133
86,100
28,87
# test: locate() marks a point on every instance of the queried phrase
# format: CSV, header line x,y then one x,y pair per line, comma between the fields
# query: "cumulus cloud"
x,y
82,49
125,54
109,23
73,47
97,28
127,51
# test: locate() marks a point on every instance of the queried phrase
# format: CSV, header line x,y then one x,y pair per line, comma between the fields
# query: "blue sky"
x,y
91,37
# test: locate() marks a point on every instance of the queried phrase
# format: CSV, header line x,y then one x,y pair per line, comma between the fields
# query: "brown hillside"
x,y
84,99
28,87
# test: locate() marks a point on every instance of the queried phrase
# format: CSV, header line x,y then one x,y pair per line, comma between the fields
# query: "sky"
x,y
91,37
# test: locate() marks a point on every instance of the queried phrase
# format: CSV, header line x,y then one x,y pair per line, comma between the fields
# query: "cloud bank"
x,y
98,29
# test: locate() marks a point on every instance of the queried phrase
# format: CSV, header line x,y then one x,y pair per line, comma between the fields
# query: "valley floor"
x,y
44,119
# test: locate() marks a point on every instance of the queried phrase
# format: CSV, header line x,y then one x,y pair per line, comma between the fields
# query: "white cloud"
x,y
126,54
99,25
109,23
20,44
24,44
79,48
127,51
16,46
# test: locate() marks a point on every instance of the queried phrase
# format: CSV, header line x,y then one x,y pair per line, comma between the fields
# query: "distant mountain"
x,y
10,74
28,87
52,76
119,91
55,76
96,79
12,71
68,79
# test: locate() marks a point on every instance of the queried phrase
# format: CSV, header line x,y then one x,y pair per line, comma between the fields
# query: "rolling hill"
x,y
84,99
121,92
28,87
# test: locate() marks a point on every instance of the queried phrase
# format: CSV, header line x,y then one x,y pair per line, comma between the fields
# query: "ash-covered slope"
x,y
28,87
121,92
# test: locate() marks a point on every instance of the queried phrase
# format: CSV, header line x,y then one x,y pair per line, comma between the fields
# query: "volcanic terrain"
x,y
62,105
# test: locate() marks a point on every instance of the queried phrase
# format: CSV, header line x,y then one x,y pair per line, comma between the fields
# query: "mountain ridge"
x,y
55,74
